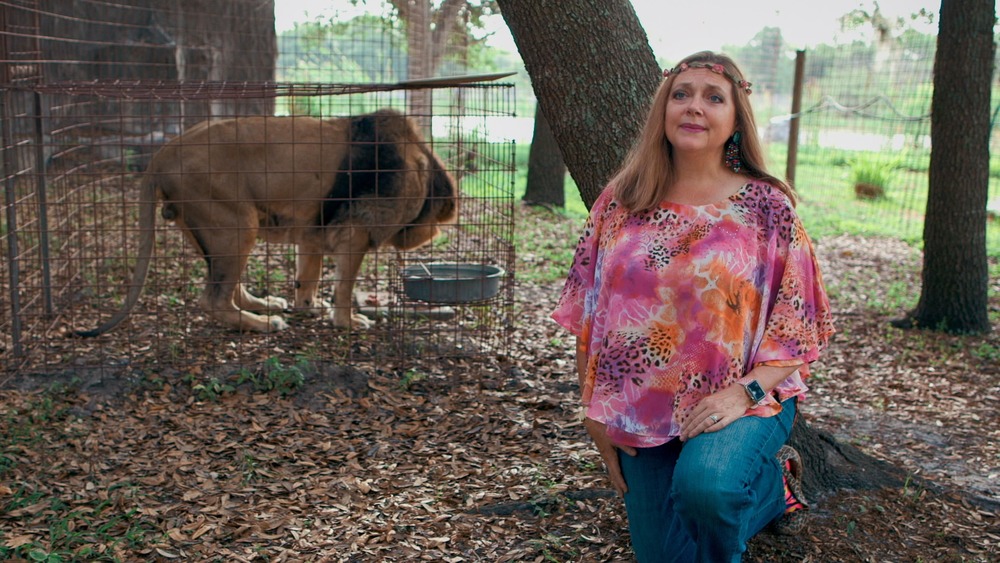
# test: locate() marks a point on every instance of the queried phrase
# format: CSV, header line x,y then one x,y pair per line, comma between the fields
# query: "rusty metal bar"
x,y
9,165
211,90
43,207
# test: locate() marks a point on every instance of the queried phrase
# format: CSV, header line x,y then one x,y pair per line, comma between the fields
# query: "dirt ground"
x,y
481,460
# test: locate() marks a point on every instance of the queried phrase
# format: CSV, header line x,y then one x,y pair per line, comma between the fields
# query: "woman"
x,y
698,305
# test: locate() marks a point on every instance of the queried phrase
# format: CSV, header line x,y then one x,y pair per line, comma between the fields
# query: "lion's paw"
x,y
362,322
276,303
356,321
319,308
260,305
275,324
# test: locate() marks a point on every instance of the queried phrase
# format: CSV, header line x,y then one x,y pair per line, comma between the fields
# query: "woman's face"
x,y
701,113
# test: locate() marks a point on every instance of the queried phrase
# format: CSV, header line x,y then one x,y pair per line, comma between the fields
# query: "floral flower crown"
x,y
714,67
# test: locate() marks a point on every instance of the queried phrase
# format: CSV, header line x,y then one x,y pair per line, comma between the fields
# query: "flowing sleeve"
x,y
571,311
799,321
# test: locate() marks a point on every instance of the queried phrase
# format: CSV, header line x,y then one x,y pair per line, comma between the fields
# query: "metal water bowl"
x,y
451,282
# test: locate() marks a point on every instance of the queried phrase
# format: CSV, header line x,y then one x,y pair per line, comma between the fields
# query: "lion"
x,y
338,187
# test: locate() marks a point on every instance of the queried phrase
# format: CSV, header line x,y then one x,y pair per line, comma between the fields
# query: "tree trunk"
x,y
593,73
955,272
427,34
419,64
830,465
575,53
546,169
185,40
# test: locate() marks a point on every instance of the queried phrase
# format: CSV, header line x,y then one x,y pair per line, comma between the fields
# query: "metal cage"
x,y
75,150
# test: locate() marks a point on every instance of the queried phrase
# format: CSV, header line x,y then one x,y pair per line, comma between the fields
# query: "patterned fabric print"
x,y
672,305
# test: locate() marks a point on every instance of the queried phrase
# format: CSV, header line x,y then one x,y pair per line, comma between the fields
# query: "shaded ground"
x,y
451,460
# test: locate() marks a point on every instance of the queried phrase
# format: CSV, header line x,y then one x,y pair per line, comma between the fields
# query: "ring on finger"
x,y
714,417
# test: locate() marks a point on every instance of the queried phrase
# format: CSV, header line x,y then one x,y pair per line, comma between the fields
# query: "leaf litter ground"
x,y
482,460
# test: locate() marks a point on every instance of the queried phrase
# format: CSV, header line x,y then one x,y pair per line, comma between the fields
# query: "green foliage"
x,y
759,59
248,466
873,170
987,352
365,49
74,530
210,389
275,376
64,529
861,17
410,377
361,50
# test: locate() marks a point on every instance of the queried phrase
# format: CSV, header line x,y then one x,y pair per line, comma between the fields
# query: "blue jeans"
x,y
703,499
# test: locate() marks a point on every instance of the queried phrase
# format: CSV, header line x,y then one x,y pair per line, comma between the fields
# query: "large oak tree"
x,y
954,294
593,72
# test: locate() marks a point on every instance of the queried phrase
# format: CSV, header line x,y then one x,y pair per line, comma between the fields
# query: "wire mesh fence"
x,y
93,90
864,144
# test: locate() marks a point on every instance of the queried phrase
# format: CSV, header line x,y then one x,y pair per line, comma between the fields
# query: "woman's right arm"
x,y
599,432
581,361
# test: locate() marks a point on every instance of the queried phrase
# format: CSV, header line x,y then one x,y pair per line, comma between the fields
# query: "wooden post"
x,y
793,126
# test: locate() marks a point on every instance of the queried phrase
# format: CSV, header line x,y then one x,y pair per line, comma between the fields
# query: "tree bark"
x,y
546,169
428,31
593,73
830,465
419,63
954,295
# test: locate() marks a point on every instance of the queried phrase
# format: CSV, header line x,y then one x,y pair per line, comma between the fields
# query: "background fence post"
x,y
10,177
43,205
793,125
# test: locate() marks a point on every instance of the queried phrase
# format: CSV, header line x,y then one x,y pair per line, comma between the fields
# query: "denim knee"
x,y
707,492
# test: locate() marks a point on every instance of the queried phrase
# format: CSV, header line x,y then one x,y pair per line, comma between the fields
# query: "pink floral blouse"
x,y
678,302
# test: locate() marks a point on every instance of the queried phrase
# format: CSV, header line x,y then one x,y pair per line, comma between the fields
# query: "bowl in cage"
x,y
451,282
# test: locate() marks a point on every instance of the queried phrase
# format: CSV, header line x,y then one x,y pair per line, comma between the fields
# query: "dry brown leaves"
x,y
475,461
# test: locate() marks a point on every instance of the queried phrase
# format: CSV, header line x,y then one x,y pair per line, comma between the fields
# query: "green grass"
x,y
876,171
574,203
69,530
824,180
545,242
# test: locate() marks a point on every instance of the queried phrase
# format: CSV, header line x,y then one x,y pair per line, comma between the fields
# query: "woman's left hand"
x,y
716,411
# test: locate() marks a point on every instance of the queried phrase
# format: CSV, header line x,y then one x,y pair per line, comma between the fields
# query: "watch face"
x,y
755,391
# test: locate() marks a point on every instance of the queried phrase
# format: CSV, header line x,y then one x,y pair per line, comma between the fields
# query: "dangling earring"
x,y
733,161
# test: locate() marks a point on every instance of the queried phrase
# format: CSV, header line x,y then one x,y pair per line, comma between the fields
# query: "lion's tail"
x,y
147,235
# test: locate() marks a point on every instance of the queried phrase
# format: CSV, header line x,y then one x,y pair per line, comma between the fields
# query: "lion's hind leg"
x,y
226,251
223,290
309,266
349,252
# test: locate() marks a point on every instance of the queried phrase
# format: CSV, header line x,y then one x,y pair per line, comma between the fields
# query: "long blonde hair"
x,y
648,171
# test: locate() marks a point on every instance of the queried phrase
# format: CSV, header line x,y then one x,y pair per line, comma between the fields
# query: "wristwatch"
x,y
754,390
